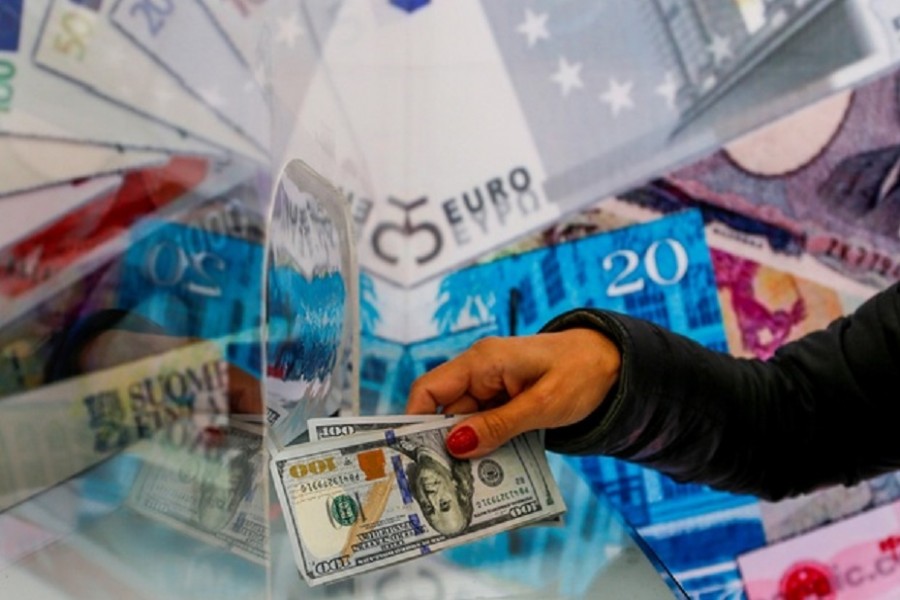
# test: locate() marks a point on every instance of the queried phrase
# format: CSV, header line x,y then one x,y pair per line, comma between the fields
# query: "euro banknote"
x,y
34,108
28,164
360,503
93,232
243,23
77,242
19,216
181,38
554,122
79,41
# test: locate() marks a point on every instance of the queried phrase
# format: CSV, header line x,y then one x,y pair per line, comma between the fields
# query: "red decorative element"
x,y
890,544
807,581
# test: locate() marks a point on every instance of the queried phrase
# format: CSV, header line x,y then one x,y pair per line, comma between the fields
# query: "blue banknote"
x,y
194,282
660,271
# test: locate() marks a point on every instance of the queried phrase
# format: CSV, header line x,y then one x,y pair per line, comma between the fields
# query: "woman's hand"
x,y
517,384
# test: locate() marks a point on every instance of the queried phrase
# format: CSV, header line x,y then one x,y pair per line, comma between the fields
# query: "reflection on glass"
x,y
127,400
310,305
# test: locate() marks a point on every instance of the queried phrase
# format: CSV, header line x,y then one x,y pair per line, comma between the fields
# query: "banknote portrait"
x,y
443,486
863,188
222,487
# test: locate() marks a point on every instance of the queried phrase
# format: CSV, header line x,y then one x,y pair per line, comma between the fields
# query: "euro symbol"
x,y
408,230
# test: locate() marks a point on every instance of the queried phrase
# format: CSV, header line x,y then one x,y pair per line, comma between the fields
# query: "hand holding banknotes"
x,y
774,428
550,380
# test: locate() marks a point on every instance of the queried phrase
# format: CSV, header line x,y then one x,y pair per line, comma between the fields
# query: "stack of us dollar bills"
x,y
368,492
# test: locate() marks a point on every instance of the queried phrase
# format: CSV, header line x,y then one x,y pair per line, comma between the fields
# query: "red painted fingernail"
x,y
462,440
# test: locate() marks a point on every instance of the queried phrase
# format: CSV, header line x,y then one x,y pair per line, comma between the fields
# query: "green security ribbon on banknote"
x,y
364,502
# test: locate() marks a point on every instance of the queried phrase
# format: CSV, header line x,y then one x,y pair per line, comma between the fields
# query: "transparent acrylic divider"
x,y
311,308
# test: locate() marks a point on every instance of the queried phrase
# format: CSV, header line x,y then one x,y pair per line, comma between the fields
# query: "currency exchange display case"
x,y
225,221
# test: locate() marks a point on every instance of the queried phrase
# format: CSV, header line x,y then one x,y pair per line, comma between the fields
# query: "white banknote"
x,y
182,38
81,43
28,164
110,237
360,503
34,108
552,121
242,22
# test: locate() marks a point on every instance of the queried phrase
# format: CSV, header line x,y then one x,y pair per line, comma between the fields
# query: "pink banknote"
x,y
854,559
826,177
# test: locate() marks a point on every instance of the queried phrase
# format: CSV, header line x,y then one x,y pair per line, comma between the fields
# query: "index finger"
x,y
443,385
490,367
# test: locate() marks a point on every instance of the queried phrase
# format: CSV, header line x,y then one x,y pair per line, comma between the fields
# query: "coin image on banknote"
x,y
363,502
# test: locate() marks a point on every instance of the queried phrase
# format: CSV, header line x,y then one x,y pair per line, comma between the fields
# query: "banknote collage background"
x,y
221,218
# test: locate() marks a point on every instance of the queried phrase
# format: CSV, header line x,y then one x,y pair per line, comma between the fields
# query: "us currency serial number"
x,y
514,494
328,482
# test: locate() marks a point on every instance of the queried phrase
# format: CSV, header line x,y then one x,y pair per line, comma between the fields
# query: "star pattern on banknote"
x,y
162,97
534,27
260,76
288,30
618,96
668,89
251,85
568,76
124,89
720,48
213,97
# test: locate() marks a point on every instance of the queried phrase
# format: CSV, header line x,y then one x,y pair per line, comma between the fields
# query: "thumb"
x,y
485,431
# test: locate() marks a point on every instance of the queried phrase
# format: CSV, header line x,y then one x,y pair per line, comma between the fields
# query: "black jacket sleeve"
x,y
824,409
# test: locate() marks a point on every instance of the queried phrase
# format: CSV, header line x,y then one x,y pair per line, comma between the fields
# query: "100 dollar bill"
x,y
210,491
323,428
360,503
326,428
